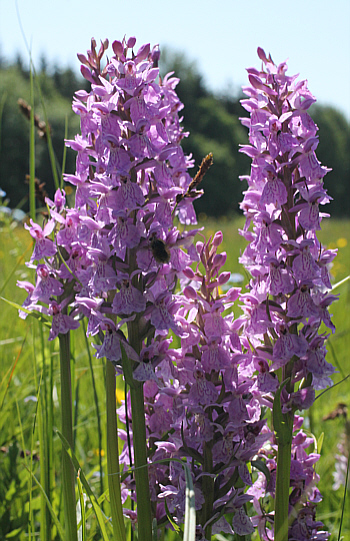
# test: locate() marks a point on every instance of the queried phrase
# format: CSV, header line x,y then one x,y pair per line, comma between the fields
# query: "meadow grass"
x,y
29,369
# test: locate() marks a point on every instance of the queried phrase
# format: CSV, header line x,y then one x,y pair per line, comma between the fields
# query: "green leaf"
x,y
14,533
37,315
176,527
344,498
101,499
82,523
113,456
190,510
58,525
261,466
320,443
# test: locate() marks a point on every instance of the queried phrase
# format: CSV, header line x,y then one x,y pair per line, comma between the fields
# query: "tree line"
x,y
212,120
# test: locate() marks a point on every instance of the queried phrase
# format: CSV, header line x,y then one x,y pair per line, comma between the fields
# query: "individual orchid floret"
x,y
46,285
44,247
61,322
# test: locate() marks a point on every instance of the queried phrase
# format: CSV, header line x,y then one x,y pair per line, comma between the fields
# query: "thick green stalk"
x,y
144,515
144,511
282,491
283,423
113,456
68,474
208,488
283,426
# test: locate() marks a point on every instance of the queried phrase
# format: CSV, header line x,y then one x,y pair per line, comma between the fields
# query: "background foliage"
x,y
212,120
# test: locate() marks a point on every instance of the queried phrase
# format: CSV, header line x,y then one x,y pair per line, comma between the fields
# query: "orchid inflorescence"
x,y
156,300
288,295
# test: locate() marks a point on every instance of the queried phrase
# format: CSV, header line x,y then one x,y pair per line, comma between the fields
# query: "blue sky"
x,y
221,36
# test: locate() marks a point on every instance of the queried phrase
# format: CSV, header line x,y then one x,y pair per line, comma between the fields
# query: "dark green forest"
x,y
211,119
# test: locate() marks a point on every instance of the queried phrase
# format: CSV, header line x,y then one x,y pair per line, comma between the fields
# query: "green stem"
x,y
282,491
283,427
208,488
113,456
144,516
68,474
144,510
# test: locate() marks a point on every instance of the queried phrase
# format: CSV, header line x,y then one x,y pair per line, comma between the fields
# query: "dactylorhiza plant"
x,y
116,257
203,406
288,295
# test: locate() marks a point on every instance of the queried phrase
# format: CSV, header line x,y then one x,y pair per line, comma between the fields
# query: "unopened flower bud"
x,y
219,260
117,48
155,55
217,239
190,293
82,58
131,42
188,272
224,278
143,52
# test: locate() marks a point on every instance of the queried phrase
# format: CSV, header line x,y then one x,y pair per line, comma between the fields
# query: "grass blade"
x,y
98,416
331,388
82,524
344,498
190,510
36,315
12,372
113,456
32,148
64,151
86,485
58,525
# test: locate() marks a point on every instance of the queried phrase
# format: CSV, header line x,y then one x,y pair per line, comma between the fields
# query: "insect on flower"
x,y
160,250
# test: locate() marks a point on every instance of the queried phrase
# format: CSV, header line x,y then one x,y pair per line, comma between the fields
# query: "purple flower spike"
x,y
286,302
